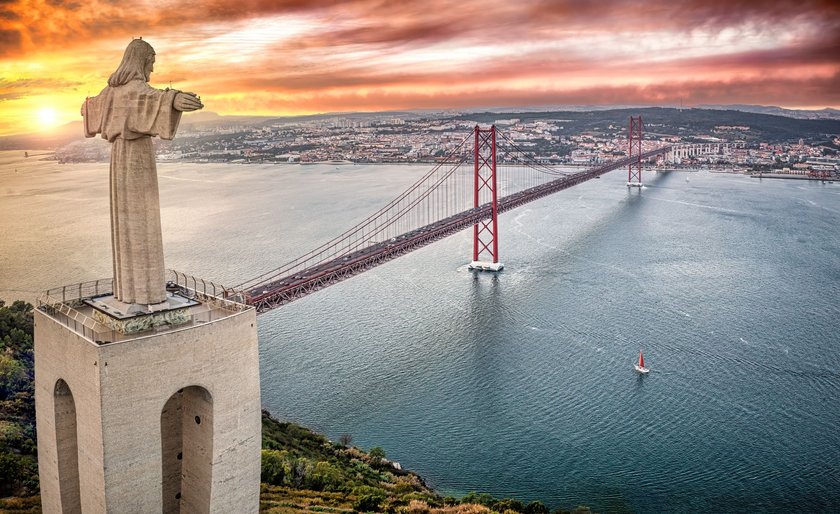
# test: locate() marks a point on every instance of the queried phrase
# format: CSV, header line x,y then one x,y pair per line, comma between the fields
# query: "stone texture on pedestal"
x,y
124,394
132,318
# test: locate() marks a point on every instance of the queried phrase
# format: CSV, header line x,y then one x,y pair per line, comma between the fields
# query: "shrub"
x,y
325,477
368,503
273,468
376,454
536,507
509,504
480,499
416,507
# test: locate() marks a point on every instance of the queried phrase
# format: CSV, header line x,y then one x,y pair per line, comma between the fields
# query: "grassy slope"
x,y
302,470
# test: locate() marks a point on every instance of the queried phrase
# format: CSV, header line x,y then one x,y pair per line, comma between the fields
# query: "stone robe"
x,y
128,116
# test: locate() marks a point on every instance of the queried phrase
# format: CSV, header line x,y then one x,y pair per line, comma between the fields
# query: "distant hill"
x,y
803,114
680,122
772,124
47,140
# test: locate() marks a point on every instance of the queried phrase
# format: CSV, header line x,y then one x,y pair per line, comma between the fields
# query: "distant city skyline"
x,y
294,57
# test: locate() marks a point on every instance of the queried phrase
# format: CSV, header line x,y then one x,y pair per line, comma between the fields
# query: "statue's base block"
x,y
127,318
161,420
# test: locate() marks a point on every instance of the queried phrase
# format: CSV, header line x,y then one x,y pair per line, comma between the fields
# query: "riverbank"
x,y
787,176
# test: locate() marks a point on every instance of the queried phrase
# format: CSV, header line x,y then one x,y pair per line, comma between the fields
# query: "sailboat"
x,y
640,366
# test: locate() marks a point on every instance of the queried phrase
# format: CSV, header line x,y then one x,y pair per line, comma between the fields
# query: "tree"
x,y
376,454
536,507
272,470
368,503
482,499
509,504
18,455
325,477
13,375
345,440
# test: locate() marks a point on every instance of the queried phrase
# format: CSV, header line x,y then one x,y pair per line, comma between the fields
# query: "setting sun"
x,y
47,117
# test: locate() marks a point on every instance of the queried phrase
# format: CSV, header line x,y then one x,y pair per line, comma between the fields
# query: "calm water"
x,y
519,384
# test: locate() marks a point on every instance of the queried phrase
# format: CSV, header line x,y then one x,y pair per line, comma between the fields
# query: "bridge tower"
x,y
634,177
486,233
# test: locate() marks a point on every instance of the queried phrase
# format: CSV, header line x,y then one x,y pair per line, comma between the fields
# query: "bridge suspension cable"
x,y
518,153
422,203
452,196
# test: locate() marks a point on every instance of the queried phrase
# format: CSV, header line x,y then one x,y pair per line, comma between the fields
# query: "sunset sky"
x,y
300,57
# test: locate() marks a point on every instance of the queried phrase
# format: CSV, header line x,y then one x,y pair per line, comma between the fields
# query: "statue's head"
x,y
138,63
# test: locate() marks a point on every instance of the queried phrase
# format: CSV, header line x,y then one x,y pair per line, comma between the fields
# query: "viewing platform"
x,y
91,310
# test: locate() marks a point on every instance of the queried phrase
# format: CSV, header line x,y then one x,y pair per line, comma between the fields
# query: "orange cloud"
x,y
295,56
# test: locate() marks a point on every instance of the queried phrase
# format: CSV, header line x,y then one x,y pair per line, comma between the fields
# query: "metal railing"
x,y
203,290
64,303
76,292
66,313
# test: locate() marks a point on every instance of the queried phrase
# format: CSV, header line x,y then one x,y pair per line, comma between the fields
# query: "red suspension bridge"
x,y
485,175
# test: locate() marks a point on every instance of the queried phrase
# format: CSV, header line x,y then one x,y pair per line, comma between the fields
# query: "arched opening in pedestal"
x,y
67,448
186,429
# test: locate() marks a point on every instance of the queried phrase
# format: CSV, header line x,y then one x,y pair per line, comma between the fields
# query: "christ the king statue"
x,y
128,113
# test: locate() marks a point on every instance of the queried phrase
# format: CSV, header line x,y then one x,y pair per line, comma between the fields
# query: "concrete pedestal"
x,y
157,421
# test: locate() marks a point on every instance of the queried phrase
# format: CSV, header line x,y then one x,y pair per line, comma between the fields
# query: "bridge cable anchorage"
x,y
634,177
424,213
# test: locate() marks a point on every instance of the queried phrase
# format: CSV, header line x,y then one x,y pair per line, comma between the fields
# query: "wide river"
x,y
518,384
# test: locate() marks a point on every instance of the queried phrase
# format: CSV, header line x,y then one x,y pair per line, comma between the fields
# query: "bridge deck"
x,y
283,290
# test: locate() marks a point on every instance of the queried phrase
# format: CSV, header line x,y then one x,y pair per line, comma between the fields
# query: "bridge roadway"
x,y
283,290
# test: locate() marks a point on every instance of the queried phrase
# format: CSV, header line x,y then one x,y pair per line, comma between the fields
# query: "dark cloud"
x,y
72,5
20,88
203,11
420,32
393,50
374,75
378,22
9,42
684,15
292,76
791,91
819,52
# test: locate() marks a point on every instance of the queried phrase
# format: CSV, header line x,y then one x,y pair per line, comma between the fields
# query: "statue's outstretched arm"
x,y
186,102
